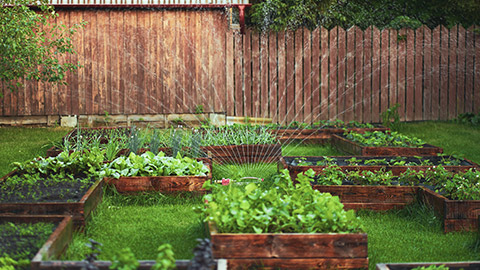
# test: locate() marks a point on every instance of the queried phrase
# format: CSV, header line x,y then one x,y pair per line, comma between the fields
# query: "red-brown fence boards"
x,y
170,61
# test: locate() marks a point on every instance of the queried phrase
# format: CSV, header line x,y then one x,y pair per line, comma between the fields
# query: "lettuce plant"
x,y
149,164
285,208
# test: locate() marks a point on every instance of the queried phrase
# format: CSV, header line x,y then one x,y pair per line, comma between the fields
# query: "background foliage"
x,y
291,14
31,43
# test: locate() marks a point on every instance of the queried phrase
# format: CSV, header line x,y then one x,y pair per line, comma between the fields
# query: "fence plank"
x,y
427,73
436,52
156,73
248,72
229,76
461,71
452,73
470,51
350,79
282,90
219,64
367,76
255,75
307,74
392,95
239,75
298,79
418,74
376,75
324,79
315,75
476,89
410,76
443,73
402,59
341,74
384,70
179,82
131,70
264,83
273,78
290,94
333,69
359,75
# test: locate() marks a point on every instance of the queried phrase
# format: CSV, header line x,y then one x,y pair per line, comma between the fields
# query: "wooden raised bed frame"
x,y
451,265
354,148
56,243
247,153
290,250
316,135
458,215
167,184
396,170
80,210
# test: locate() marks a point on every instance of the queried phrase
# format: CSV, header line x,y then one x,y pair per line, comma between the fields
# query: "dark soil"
x,y
22,241
43,191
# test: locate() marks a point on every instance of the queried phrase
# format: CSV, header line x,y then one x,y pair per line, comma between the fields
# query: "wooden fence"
x,y
174,61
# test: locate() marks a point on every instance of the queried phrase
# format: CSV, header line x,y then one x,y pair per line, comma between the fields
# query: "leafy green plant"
x,y
165,259
198,109
7,263
390,117
286,208
149,164
155,142
124,260
331,175
384,139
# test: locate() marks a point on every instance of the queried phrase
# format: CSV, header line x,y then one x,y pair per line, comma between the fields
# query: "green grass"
x,y
454,138
20,144
142,224
414,234
297,149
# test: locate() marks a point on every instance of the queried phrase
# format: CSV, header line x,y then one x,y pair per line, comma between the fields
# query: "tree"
x,y
31,43
287,14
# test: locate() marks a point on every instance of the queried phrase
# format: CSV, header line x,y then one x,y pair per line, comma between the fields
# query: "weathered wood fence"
x,y
173,61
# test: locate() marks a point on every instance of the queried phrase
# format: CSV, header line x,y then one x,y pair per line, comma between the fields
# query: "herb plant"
x,y
431,267
286,208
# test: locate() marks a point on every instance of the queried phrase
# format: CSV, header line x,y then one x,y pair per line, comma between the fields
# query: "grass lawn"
x,y
143,223
452,137
20,144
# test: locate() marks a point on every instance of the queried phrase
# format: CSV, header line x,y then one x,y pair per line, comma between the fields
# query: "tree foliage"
x,y
31,43
291,14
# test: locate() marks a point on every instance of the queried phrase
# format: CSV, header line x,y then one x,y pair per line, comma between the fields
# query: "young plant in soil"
x,y
65,177
383,139
286,208
149,164
19,242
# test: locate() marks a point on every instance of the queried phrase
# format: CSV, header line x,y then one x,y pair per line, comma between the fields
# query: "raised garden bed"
x,y
377,198
239,154
345,145
56,242
149,172
396,164
408,266
290,250
135,184
458,215
99,133
317,134
80,210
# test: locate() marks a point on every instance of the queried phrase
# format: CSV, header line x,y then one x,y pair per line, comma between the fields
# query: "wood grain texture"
x,y
307,76
444,52
469,50
401,75
418,88
290,76
376,91
384,69
315,74
367,75
324,73
435,112
393,66
333,75
427,75
410,76
341,87
452,72
273,77
350,105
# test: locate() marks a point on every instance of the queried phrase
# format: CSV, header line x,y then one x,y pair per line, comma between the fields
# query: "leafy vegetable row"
x,y
382,139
